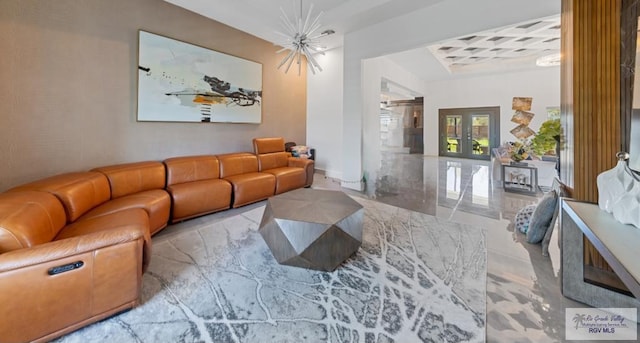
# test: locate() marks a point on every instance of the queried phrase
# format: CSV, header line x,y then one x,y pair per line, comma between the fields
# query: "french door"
x,y
469,132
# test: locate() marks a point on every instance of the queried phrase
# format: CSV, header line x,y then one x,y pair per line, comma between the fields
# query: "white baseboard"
x,y
330,173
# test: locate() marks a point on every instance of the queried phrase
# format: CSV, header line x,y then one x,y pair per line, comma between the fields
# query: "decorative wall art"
x,y
520,106
181,82
522,117
522,131
521,103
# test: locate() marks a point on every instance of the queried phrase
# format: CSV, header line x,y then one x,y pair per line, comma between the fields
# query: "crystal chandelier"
x,y
301,39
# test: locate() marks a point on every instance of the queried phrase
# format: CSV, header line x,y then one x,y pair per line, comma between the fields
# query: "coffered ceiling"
x,y
521,43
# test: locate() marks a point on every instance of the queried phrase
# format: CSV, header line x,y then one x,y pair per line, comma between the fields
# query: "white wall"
x,y
324,109
543,85
68,87
373,71
431,24
324,112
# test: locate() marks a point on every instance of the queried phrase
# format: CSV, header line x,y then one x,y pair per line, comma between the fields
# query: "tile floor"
x,y
524,302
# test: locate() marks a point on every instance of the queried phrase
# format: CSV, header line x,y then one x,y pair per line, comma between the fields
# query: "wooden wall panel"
x,y
594,93
591,98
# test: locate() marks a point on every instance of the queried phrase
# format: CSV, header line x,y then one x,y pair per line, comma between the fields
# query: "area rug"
x,y
416,278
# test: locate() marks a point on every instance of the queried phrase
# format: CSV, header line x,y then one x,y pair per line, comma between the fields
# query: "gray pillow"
x,y
541,217
562,191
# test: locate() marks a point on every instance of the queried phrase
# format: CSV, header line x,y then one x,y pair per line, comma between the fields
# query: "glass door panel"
x,y
454,133
469,132
480,134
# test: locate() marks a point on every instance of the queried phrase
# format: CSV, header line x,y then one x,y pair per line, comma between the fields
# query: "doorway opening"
x,y
469,132
401,119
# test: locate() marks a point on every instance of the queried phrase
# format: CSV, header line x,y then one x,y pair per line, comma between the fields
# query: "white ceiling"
x,y
514,43
505,49
261,18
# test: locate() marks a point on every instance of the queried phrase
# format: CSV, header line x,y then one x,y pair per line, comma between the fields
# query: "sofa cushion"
x,y
237,164
156,203
268,145
562,191
29,218
192,199
288,178
251,187
130,178
191,168
541,217
79,192
273,160
133,218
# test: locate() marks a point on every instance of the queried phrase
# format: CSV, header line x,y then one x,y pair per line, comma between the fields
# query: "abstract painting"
x,y
182,82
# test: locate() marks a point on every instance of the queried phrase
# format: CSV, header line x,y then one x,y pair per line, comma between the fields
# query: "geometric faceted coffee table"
x,y
311,228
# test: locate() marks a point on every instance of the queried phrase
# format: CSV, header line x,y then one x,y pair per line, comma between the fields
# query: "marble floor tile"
x,y
524,300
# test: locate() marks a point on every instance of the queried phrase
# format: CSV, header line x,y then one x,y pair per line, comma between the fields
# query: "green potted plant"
x,y
547,137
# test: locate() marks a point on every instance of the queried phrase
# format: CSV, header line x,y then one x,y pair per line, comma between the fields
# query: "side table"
x,y
520,178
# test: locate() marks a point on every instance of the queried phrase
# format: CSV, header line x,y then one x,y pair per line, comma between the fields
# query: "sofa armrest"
x,y
306,164
54,288
299,162
68,247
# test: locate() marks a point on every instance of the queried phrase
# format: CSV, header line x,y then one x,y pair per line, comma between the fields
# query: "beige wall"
x,y
68,85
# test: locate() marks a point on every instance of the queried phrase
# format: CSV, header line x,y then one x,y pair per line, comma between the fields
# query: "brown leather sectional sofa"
x,y
73,247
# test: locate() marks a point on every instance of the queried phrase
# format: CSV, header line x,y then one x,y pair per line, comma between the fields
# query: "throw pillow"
x,y
523,218
562,191
541,217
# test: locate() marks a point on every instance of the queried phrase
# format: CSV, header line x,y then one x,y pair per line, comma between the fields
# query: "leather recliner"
x,y
95,229
248,183
138,185
57,275
195,186
73,246
290,172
